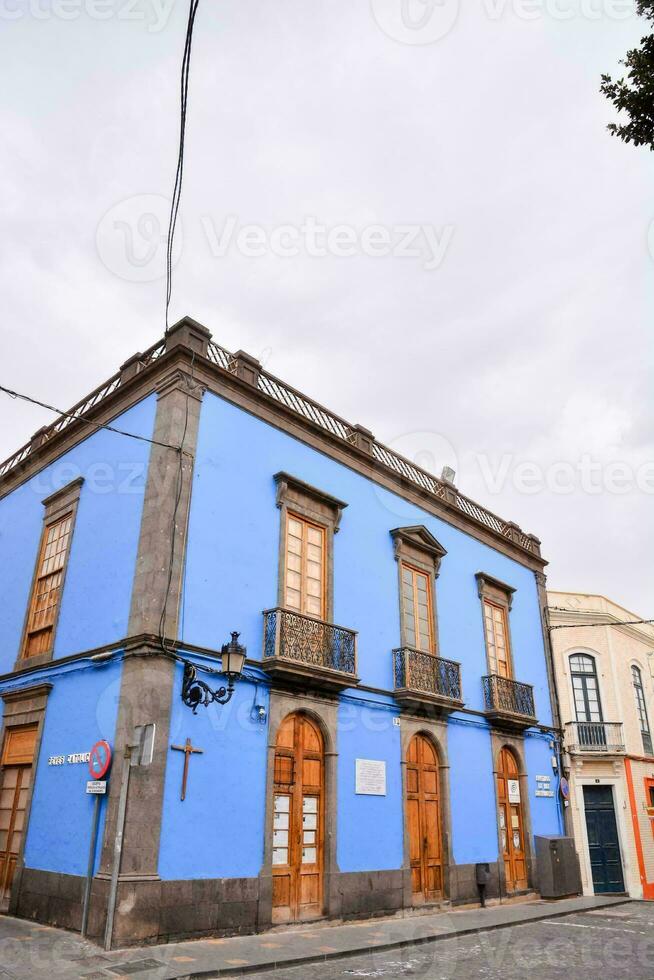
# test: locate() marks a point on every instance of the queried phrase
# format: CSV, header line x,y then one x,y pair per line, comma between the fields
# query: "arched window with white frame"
x,y
641,707
588,705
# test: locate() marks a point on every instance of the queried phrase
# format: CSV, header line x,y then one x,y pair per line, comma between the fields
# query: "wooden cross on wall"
x,y
188,751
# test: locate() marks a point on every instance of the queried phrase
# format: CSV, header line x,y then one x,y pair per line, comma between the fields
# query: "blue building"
x,y
393,725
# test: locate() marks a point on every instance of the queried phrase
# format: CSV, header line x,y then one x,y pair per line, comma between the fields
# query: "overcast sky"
x,y
513,341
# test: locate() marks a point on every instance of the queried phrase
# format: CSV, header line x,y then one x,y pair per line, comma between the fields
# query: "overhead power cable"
x,y
623,622
177,190
82,418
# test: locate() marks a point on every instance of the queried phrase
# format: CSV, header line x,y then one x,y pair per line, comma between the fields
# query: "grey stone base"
x,y
165,911
366,893
146,911
463,883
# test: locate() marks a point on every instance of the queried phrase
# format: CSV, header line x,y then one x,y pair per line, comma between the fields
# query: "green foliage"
x,y
634,94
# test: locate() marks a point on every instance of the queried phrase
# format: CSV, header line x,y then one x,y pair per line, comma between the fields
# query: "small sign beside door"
x,y
544,786
513,789
370,777
96,786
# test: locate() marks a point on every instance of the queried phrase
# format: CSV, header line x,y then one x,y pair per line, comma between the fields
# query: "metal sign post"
x,y
130,755
139,754
99,762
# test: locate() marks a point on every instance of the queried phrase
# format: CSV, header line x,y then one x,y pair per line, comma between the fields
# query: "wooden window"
x,y
47,588
497,646
496,601
304,579
417,609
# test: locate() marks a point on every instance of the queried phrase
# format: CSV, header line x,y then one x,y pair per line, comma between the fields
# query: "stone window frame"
x,y
294,496
58,505
498,593
417,547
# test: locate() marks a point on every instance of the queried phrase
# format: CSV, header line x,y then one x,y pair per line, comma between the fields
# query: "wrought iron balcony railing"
x,y
509,700
594,736
300,645
421,676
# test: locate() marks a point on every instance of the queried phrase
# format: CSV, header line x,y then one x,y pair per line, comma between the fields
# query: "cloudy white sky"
x,y
515,342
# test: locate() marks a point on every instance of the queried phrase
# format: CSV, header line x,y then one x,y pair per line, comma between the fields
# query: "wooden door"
x,y
511,822
15,779
423,814
298,821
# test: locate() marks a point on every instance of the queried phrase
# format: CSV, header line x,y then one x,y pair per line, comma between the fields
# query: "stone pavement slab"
x,y
30,952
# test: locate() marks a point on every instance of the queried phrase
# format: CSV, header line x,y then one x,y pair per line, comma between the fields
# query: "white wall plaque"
x,y
513,786
370,777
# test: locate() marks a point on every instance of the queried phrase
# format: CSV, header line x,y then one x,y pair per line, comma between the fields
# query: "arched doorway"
x,y
511,821
298,821
424,824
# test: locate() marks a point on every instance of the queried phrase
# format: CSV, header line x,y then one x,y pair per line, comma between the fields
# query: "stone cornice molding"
x,y
185,348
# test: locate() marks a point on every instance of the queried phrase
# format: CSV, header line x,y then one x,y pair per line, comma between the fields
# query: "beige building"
x,y
605,680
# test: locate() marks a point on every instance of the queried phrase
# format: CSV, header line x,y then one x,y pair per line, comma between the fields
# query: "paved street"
x,y
600,939
607,944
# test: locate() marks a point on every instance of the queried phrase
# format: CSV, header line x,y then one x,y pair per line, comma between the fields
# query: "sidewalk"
x,y
29,951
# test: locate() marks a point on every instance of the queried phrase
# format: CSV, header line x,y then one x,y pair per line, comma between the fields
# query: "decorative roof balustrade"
x,y
294,401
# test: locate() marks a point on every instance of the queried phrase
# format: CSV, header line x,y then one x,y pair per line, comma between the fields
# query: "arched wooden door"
x,y
15,777
512,835
298,821
423,814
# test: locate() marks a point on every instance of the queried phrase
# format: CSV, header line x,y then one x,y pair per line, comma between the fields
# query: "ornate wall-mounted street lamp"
x,y
196,692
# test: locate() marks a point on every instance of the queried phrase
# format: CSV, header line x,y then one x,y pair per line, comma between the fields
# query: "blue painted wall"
x,y
546,814
82,708
472,793
231,573
104,544
231,576
218,831
370,828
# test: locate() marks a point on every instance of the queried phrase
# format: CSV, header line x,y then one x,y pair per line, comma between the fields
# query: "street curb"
x,y
232,971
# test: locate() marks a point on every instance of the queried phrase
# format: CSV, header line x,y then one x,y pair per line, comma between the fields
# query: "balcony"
x,y
509,704
302,649
423,679
594,737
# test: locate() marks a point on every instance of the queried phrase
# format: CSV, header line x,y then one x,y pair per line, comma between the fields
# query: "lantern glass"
x,y
233,659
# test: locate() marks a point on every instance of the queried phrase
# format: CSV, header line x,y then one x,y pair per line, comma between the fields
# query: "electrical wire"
x,y
623,622
177,190
81,418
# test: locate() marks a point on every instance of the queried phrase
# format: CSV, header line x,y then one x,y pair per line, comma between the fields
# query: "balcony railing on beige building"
x,y
594,736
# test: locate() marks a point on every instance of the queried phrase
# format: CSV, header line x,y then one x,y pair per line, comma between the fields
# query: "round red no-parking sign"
x,y
100,760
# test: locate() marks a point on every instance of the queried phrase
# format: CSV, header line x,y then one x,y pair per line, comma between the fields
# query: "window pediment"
x,y
416,544
494,590
309,501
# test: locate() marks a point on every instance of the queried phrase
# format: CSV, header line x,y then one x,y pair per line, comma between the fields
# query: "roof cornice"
x,y
240,379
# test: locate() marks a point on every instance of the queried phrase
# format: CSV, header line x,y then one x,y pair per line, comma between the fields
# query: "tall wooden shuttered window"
x,y
304,581
497,646
47,588
417,607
